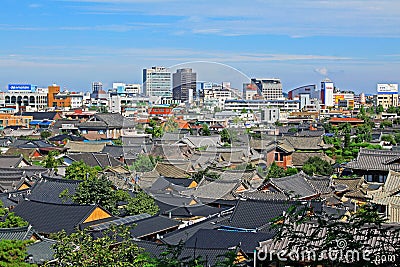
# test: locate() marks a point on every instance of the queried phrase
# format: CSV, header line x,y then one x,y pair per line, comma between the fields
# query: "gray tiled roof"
x,y
264,195
257,214
41,252
381,160
10,161
297,186
226,239
11,179
49,189
185,233
202,141
95,159
305,142
17,233
49,218
76,146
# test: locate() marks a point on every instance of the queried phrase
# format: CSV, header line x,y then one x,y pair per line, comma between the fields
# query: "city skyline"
x,y
73,43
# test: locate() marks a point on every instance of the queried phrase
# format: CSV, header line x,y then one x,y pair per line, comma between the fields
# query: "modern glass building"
x,y
157,82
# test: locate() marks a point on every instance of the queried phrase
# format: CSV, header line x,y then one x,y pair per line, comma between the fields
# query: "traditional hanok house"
x,y
39,251
12,179
12,198
78,146
174,168
164,184
299,186
19,233
49,190
171,151
48,218
62,139
229,184
65,126
105,126
273,150
120,176
247,241
351,191
21,132
230,157
13,161
200,160
103,160
146,227
258,215
34,149
27,153
374,165
198,142
387,197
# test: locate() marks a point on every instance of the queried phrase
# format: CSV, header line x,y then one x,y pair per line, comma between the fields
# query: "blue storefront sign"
x,y
19,87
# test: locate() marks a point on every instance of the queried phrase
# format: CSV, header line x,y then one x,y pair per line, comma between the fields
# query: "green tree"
x,y
79,170
13,253
205,131
345,128
385,124
171,125
143,163
316,165
379,109
275,171
141,203
117,142
291,171
198,176
9,219
52,161
45,134
391,109
388,138
98,191
225,136
347,140
155,130
363,133
113,248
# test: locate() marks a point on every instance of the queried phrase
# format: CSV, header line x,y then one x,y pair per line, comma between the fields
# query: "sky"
x,y
355,43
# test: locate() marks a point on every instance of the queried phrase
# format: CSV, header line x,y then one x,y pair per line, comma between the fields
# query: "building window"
x,y
278,156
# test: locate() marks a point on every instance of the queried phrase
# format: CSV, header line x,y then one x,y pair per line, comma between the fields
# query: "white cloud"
x,y
292,17
323,71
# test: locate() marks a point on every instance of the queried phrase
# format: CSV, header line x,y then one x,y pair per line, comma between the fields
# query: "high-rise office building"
x,y
157,82
184,85
327,97
268,88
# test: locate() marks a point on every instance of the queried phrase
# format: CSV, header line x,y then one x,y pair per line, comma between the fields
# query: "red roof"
x,y
346,120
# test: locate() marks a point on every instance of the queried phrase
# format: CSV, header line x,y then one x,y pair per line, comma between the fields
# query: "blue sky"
x,y
72,43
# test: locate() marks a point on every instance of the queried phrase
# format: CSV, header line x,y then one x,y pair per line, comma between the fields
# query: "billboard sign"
x,y
387,88
19,87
